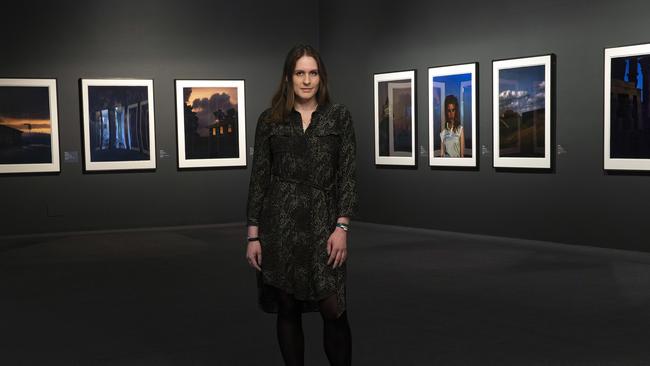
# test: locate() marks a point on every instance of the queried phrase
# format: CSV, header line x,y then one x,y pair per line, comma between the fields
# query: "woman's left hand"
x,y
337,248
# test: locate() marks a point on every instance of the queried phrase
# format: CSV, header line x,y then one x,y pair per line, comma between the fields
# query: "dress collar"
x,y
320,109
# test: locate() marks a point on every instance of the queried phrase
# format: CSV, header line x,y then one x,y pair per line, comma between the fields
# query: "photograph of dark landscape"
x,y
630,107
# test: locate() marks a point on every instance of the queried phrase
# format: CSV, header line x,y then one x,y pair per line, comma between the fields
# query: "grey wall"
x,y
576,203
161,40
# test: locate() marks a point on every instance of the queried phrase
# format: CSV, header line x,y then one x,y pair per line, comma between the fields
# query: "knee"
x,y
288,310
288,306
329,308
329,313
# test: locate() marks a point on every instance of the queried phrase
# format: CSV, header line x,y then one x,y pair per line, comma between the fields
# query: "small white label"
x,y
485,151
251,151
163,154
423,152
71,156
561,150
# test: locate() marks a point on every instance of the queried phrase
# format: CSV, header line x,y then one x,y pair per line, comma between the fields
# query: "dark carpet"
x,y
186,296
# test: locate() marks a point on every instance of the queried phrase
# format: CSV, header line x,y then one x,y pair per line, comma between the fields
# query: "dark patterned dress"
x,y
300,184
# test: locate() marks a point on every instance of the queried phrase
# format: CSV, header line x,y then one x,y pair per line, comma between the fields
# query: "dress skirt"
x,y
294,248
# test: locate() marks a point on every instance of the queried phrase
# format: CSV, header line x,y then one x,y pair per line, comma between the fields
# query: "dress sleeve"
x,y
261,172
346,180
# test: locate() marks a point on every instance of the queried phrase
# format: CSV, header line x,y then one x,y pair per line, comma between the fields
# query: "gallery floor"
x,y
185,296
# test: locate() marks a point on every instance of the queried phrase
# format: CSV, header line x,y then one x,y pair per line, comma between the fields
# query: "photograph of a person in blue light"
x,y
452,136
452,115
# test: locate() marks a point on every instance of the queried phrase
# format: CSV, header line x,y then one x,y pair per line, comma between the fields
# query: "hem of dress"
x,y
304,309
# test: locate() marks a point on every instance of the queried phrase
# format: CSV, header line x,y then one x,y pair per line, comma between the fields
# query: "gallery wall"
x,y
577,202
159,40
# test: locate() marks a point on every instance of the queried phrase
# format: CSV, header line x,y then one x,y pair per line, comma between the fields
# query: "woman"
x,y
452,136
301,197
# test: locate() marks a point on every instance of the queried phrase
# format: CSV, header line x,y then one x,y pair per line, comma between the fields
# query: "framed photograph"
x,y
522,112
118,124
452,115
395,118
29,128
627,108
211,123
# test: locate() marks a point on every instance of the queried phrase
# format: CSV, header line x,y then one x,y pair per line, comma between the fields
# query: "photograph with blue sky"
x,y
25,125
522,111
459,86
630,107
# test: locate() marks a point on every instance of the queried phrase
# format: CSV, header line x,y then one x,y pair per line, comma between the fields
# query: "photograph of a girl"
x,y
301,197
452,136
452,115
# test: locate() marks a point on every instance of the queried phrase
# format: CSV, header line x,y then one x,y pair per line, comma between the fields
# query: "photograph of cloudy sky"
x,y
25,126
211,122
522,111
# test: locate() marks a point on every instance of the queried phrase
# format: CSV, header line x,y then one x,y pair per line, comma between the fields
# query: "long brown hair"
x,y
284,98
451,99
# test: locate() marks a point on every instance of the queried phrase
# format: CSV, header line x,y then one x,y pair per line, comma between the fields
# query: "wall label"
x,y
423,152
485,151
71,156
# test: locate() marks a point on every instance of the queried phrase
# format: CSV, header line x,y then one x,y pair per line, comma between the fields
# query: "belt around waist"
x,y
303,182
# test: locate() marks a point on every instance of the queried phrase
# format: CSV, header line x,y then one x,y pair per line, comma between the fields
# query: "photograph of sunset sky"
x,y
211,122
25,126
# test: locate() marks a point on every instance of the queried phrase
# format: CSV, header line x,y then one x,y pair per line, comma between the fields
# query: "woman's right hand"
x,y
254,254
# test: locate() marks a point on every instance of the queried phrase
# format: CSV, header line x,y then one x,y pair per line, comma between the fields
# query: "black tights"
x,y
336,331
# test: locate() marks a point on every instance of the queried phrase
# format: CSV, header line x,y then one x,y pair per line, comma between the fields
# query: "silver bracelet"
x,y
343,226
